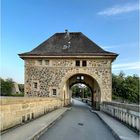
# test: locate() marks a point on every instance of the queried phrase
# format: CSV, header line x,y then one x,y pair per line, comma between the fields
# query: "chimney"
x,y
66,30
67,39
67,34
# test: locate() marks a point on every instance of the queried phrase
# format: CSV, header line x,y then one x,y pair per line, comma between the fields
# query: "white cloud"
x,y
126,66
119,9
130,44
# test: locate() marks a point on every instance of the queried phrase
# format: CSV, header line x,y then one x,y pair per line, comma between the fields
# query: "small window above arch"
x,y
82,77
84,63
77,63
46,62
78,77
39,62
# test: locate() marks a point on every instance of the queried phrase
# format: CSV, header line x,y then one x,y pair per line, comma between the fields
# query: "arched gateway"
x,y
65,59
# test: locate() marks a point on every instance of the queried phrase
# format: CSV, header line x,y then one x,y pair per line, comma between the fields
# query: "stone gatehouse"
x,y
65,59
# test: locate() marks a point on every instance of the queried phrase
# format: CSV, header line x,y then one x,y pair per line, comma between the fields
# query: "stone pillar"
x,y
130,120
138,123
133,121
126,118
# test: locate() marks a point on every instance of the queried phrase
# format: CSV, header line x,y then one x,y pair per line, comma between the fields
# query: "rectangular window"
x,y
78,63
82,77
35,85
47,62
78,78
84,63
40,62
54,92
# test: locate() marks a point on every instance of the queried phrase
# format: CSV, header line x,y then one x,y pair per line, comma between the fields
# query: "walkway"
x,y
118,129
78,124
34,128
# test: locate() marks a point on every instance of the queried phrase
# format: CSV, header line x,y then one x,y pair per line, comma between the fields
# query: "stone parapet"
x,y
18,110
127,113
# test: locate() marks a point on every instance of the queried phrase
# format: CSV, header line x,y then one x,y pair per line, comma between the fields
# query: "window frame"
x,y
35,85
84,63
54,89
48,62
39,62
82,77
77,62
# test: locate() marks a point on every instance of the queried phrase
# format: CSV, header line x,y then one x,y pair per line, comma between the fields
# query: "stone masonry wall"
x,y
17,110
54,75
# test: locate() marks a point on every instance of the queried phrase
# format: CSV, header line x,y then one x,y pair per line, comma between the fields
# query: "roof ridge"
x,y
69,32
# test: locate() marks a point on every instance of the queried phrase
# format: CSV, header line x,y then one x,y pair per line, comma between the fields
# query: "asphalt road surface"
x,y
78,124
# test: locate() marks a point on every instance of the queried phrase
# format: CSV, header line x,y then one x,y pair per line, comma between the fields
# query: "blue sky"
x,y
111,24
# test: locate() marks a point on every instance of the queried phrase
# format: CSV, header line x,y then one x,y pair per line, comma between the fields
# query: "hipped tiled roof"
x,y
71,44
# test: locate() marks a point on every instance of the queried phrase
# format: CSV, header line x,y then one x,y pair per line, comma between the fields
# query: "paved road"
x,y
78,124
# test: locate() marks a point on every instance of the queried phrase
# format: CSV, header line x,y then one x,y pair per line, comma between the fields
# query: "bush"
x,y
18,95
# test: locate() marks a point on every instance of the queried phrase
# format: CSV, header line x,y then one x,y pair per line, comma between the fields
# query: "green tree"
x,y
87,92
125,88
81,91
75,91
6,86
132,88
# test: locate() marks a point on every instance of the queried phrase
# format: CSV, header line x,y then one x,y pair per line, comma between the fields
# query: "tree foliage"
x,y
6,86
125,88
81,91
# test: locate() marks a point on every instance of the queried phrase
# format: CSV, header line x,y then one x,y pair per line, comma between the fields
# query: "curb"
x,y
112,131
45,128
21,124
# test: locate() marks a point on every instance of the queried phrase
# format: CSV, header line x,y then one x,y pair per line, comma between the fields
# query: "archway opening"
x,y
84,82
82,92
